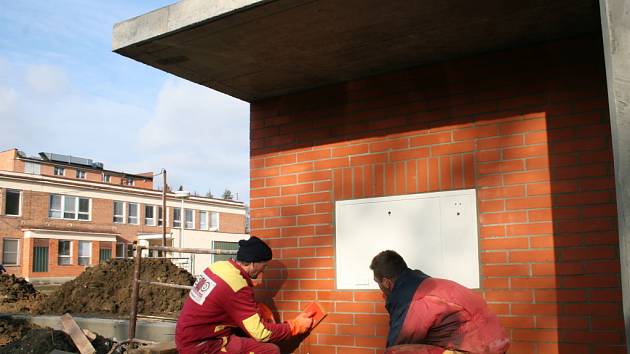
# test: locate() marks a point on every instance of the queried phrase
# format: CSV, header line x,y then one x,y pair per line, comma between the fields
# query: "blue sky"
x,y
63,90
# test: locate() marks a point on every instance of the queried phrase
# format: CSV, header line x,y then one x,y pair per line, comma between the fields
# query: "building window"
x,y
159,216
10,251
203,220
214,221
177,217
59,171
149,215
120,250
12,202
64,253
226,246
128,181
85,252
190,218
132,213
80,174
69,207
107,178
129,250
32,168
119,212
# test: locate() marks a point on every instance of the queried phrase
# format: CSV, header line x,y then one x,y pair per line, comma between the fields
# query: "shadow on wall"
x,y
273,279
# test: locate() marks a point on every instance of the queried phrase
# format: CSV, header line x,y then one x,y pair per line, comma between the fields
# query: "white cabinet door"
x,y
434,232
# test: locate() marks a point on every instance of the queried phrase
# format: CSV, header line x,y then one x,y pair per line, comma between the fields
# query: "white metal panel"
x,y
433,232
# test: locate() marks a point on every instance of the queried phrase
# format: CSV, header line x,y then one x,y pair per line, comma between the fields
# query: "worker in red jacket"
x,y
434,316
221,315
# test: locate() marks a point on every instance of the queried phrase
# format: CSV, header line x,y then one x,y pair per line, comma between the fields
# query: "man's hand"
x,y
302,323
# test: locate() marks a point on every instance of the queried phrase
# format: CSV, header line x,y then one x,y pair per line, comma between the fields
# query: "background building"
x,y
524,102
53,224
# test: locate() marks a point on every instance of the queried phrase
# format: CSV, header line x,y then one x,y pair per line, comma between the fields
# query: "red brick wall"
x,y
527,128
7,160
234,223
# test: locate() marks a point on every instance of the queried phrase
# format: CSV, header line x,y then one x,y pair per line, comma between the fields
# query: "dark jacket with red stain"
x,y
442,313
222,303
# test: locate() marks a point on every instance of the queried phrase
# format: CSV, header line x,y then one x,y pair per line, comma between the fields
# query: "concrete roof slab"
x,y
258,49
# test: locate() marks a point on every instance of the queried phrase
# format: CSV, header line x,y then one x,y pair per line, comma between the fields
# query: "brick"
x,y
357,182
331,163
489,155
410,154
493,257
457,169
528,203
504,166
469,174
524,152
265,212
490,231
298,231
505,270
502,192
280,181
532,256
455,148
502,218
500,142
315,219
297,189
265,172
296,168
298,210
350,150
509,296
280,160
390,144
475,132
434,174
280,201
265,192
504,243
314,155
368,159
431,139
314,176
526,177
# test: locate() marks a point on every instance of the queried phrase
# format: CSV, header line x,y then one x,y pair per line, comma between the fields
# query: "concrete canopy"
x,y
258,49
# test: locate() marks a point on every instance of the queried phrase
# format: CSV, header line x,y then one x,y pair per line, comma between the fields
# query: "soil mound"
x,y
107,289
17,294
12,329
44,340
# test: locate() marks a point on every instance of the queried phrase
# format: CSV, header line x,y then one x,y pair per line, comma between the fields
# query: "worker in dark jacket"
x,y
221,316
434,316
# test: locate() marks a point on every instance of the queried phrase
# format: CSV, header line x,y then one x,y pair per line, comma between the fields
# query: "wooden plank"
x,y
70,327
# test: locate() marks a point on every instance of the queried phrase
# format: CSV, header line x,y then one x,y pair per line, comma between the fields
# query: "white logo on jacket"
x,y
202,288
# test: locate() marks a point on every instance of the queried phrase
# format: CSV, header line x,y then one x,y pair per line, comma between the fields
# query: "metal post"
x,y
134,293
164,208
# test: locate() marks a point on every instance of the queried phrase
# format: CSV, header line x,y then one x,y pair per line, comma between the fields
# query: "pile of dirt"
x,y
12,329
107,289
44,340
17,294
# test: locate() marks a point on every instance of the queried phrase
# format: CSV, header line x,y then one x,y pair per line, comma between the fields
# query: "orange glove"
x,y
302,323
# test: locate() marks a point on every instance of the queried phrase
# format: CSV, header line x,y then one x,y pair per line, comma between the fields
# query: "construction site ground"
x,y
102,291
